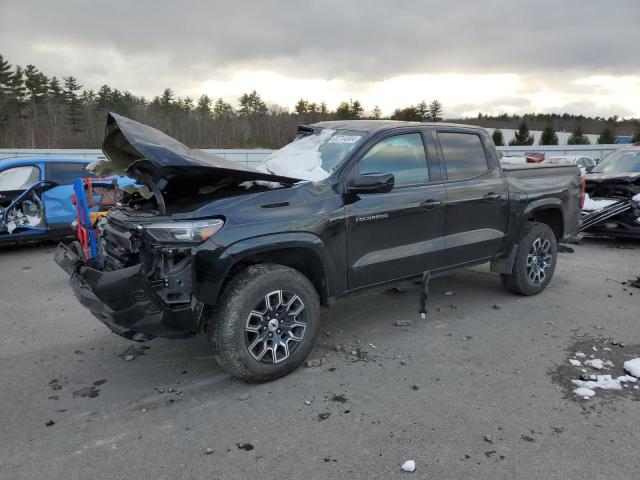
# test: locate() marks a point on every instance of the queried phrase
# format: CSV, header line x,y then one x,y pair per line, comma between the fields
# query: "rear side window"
x,y
19,178
402,155
64,173
463,154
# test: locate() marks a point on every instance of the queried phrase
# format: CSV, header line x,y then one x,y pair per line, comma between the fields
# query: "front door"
x,y
400,233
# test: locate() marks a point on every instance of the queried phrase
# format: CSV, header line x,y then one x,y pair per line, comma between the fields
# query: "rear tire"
x,y
535,262
257,338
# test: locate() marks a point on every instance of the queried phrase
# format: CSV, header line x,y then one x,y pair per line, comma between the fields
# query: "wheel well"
x,y
551,217
300,259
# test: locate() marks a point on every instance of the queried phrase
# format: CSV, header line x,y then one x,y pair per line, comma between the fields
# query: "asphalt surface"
x,y
430,391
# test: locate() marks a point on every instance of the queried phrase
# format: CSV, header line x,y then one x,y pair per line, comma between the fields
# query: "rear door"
x,y
477,199
396,234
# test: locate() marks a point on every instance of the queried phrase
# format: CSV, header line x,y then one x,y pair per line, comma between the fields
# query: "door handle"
x,y
430,204
491,197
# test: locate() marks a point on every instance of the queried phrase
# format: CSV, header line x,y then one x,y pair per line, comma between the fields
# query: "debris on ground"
x,y
402,323
449,293
308,402
208,451
90,392
409,466
635,283
323,416
50,423
244,446
591,381
633,367
415,386
488,438
314,362
244,396
497,306
133,351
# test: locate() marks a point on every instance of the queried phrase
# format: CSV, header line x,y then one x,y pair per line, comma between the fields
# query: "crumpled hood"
x,y
143,152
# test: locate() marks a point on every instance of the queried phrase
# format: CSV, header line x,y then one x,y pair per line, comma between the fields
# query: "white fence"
x,y
252,157
249,157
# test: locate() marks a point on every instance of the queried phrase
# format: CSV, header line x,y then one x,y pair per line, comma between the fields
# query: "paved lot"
x,y
477,370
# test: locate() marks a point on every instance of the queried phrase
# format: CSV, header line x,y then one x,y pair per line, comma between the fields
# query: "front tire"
x,y
535,261
265,322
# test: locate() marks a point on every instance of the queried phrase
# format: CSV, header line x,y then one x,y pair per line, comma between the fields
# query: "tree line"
x,y
38,111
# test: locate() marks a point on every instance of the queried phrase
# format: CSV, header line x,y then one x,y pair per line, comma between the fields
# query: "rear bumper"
x,y
124,300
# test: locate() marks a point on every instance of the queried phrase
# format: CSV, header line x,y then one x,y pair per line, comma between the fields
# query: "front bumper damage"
x,y
128,301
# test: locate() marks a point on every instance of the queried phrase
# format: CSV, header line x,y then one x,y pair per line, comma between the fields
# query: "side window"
x,y
19,178
464,155
64,173
402,155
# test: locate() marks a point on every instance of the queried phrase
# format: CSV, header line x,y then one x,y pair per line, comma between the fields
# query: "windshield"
x,y
312,155
619,161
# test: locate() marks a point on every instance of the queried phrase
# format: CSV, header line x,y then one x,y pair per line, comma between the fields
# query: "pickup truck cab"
x,y
247,256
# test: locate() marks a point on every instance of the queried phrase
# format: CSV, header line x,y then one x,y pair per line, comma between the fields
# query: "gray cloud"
x,y
146,44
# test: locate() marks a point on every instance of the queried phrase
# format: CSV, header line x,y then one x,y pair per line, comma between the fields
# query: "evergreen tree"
x,y
578,138
607,137
356,109
36,84
435,111
376,113
5,76
252,104
222,109
407,114
351,110
55,90
423,111
498,138
204,106
636,133
302,106
522,136
17,89
73,103
548,136
323,109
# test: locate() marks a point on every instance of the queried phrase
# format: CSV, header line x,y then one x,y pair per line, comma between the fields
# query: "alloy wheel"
x,y
539,260
275,327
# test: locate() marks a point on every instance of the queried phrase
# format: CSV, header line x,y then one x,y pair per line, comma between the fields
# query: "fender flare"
x,y
211,267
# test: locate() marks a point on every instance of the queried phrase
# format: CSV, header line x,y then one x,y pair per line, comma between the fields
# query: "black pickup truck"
x,y
247,256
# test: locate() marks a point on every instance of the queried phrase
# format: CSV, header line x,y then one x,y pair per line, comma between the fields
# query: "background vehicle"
x,y
35,196
616,177
248,256
580,161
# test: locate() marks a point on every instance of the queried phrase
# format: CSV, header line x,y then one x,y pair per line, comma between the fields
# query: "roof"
x,y
371,126
45,159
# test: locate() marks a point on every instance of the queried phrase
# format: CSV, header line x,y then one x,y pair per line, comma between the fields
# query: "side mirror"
x,y
372,183
589,168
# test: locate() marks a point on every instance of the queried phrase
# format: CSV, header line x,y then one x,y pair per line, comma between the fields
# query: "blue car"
x,y
35,197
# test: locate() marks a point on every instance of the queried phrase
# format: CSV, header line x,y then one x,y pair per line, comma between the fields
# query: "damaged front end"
x,y
140,283
613,204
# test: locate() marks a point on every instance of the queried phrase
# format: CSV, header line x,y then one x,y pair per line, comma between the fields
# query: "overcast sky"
x,y
579,56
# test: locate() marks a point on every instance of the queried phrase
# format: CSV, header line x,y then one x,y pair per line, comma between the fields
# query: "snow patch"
x,y
579,355
574,362
633,366
591,204
636,198
598,364
605,382
409,466
584,392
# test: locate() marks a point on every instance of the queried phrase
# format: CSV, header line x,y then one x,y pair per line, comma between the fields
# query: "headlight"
x,y
196,231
